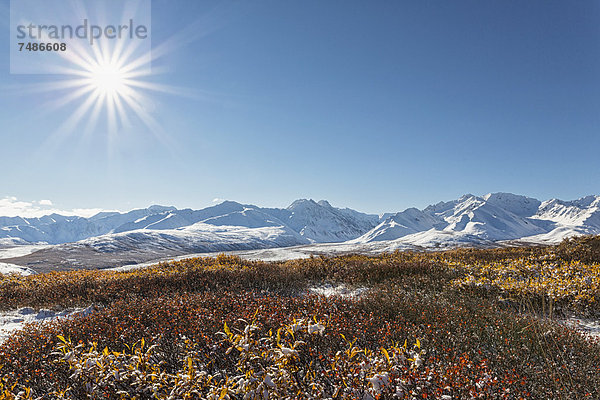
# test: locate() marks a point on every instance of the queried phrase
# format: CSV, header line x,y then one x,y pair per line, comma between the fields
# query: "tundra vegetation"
x,y
460,324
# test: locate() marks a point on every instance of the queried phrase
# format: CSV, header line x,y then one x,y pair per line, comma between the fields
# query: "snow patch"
x,y
20,251
329,290
15,320
15,269
589,327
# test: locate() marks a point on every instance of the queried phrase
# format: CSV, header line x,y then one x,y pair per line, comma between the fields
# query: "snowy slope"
x,y
199,237
401,224
436,239
249,217
559,234
522,206
584,211
14,269
12,242
322,223
476,216
568,218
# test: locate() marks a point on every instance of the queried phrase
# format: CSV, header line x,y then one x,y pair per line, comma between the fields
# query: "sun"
x,y
108,79
113,90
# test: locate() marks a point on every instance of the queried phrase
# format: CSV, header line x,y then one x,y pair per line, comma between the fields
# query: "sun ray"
x,y
110,84
107,83
68,126
69,97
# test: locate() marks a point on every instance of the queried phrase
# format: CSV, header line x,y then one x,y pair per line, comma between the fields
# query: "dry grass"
x,y
471,342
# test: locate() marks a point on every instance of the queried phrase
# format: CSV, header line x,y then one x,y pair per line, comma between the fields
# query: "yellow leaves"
x,y
223,393
278,336
190,367
546,277
353,352
62,339
275,363
386,354
226,330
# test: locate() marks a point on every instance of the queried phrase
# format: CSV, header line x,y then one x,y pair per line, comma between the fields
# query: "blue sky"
x,y
377,106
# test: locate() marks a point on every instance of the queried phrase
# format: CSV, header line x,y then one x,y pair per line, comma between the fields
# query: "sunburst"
x,y
110,86
107,80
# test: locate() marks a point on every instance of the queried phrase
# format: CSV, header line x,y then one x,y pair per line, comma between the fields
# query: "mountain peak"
x,y
589,201
468,196
160,209
522,206
324,203
302,203
506,196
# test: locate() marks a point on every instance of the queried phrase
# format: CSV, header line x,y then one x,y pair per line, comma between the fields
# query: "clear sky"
x,y
373,105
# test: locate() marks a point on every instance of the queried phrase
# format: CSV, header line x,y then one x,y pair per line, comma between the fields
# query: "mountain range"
x,y
492,219
306,221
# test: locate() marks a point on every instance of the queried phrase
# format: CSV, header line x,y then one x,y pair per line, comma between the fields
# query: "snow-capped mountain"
x,y
320,222
522,206
401,224
584,211
488,219
146,234
480,217
308,220
56,229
